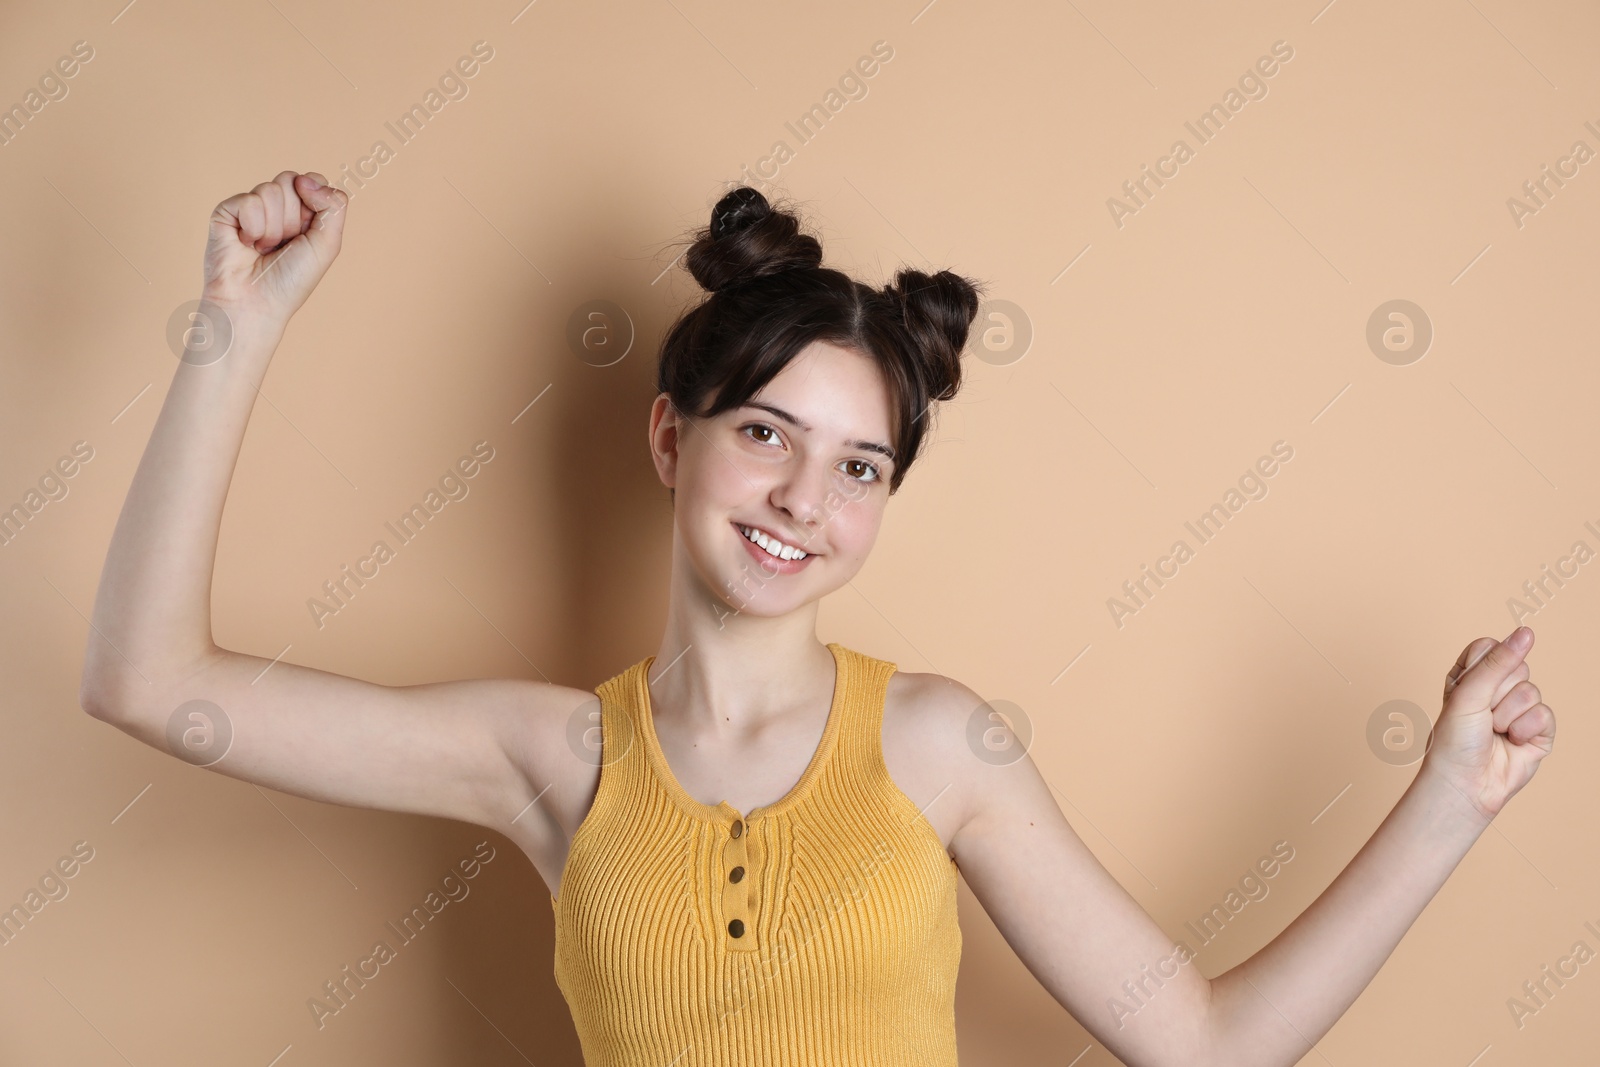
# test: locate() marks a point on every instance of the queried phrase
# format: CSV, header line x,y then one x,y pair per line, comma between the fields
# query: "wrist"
x,y
242,318
1448,800
246,337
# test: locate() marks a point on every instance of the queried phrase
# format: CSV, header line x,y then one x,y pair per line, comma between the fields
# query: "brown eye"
x,y
873,474
759,428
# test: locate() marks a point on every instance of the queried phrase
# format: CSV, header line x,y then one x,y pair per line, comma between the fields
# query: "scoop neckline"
x,y
724,812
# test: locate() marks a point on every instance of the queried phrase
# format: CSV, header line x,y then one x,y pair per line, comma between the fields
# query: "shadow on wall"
x,y
605,519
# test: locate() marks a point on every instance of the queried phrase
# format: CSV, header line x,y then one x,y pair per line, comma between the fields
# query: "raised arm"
x,y
1106,960
1490,737
472,750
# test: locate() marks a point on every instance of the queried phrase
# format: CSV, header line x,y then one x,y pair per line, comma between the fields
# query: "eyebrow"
x,y
868,446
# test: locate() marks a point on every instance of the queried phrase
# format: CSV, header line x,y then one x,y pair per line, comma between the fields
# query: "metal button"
x,y
736,928
738,828
736,874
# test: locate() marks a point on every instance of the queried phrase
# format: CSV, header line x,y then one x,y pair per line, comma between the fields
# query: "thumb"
x,y
327,204
1477,687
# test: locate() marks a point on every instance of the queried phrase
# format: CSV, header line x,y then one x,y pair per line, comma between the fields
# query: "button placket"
x,y
739,904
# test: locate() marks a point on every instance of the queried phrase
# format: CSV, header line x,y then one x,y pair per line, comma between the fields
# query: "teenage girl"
x,y
752,845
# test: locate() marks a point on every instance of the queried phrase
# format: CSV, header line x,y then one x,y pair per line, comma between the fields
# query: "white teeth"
x,y
771,545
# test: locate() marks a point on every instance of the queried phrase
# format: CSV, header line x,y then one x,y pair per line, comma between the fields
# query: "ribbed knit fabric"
x,y
845,907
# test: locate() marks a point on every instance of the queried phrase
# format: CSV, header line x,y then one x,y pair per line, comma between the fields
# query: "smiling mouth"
x,y
772,546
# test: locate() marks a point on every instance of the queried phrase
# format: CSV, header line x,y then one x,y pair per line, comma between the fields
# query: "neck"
x,y
722,666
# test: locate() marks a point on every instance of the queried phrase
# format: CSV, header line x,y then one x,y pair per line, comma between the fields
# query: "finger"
x,y
1538,722
1514,679
307,212
252,219
272,216
293,209
227,215
1522,696
321,197
271,194
1469,656
1482,680
327,228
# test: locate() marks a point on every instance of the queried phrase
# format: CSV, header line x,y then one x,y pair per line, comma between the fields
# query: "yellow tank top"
x,y
820,929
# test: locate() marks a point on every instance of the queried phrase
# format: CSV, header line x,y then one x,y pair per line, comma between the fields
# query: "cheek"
x,y
710,479
711,488
853,530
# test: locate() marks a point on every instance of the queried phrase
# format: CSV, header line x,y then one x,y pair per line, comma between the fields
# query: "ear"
x,y
665,421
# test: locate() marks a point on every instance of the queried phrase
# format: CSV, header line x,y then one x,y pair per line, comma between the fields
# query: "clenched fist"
x,y
1495,727
268,248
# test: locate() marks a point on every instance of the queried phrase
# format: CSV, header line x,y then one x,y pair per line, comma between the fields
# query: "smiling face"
x,y
804,465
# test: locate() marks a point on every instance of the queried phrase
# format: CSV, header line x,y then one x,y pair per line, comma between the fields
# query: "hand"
x,y
268,248
1493,730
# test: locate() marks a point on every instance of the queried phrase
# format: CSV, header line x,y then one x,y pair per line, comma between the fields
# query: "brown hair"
x,y
770,297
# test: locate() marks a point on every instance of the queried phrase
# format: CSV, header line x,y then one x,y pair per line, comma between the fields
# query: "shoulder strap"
x,y
860,741
608,735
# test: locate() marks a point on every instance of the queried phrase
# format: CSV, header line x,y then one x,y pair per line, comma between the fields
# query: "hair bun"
x,y
937,310
748,238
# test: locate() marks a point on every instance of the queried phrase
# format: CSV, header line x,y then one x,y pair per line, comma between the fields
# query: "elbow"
x,y
102,687
101,696
112,690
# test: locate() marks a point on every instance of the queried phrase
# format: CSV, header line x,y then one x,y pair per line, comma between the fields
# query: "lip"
x,y
769,563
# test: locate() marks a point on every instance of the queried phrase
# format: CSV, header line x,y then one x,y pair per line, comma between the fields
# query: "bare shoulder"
x,y
927,723
941,734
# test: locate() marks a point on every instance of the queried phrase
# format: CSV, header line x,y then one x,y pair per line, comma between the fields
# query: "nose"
x,y
801,494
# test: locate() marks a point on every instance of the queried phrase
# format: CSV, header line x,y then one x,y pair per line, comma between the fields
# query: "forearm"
x,y
1271,1008
152,613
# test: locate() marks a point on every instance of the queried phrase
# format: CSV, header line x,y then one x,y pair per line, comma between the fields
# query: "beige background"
x,y
1230,312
